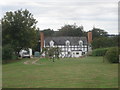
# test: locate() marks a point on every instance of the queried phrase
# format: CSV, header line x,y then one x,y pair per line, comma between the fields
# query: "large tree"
x,y
48,32
71,30
103,42
97,32
19,30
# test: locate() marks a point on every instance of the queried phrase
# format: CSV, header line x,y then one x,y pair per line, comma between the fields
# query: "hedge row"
x,y
99,52
110,54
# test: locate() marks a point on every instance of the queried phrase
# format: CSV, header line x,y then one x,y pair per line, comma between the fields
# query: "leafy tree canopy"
x,y
48,32
97,32
102,42
71,30
19,29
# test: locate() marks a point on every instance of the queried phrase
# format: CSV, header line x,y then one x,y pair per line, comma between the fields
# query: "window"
x,y
67,43
51,43
80,42
77,53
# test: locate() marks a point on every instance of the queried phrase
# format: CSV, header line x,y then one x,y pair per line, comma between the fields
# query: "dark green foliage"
x,y
103,42
7,52
66,30
112,55
97,32
36,46
19,30
74,30
48,32
99,51
71,30
116,40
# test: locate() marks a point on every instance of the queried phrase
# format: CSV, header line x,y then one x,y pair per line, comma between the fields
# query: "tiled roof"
x,y
61,40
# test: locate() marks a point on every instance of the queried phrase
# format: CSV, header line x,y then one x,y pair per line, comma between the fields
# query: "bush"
x,y
112,55
99,52
7,52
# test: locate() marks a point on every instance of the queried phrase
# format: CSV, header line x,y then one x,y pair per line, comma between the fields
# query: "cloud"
x,y
55,13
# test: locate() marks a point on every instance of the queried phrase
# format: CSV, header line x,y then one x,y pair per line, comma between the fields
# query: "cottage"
x,y
69,46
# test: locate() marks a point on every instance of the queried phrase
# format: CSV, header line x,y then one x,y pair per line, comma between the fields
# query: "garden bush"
x,y
7,52
99,52
112,55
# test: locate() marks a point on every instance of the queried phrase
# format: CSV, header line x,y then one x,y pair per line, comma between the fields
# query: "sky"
x,y
54,14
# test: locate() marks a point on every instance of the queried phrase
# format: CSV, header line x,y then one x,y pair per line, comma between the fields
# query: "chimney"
x,y
89,37
41,40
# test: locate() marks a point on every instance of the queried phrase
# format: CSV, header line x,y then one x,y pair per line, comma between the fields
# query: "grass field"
x,y
89,72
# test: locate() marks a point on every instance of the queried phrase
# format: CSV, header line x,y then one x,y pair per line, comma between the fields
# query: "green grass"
x,y
89,72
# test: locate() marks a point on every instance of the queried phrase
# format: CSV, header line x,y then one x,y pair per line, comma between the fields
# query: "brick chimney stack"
x,y
89,37
41,40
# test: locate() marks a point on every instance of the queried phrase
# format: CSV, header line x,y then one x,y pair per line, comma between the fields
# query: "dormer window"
x,y
51,43
67,43
80,42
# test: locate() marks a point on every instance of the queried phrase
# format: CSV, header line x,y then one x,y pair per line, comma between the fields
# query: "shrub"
x,y
99,52
7,52
112,55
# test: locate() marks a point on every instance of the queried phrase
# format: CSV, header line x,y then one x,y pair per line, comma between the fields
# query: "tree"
x,y
116,40
19,30
71,30
48,32
52,52
37,45
96,32
7,52
102,42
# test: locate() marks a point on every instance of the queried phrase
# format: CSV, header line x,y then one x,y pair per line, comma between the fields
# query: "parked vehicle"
x,y
26,53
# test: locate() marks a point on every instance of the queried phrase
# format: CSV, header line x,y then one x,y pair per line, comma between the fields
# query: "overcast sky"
x,y
56,13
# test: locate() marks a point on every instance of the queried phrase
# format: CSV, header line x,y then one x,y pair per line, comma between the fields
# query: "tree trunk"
x,y
53,59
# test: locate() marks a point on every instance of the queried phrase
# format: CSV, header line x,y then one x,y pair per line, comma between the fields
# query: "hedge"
x,y
112,55
99,52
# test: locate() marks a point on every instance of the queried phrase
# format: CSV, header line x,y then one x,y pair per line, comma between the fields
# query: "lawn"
x,y
88,72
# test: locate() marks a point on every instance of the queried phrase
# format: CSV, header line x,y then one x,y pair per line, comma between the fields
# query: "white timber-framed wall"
x,y
68,50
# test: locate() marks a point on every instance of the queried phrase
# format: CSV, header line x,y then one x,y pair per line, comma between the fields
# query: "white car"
x,y
26,53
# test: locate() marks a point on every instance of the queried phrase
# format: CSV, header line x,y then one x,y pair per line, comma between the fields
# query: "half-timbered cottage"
x,y
69,46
